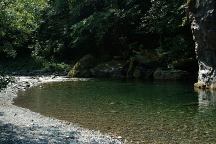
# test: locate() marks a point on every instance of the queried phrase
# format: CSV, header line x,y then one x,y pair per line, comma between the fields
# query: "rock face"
x,y
170,74
203,16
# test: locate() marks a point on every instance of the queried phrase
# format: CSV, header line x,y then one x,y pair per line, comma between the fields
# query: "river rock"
x,y
203,16
110,69
170,74
82,67
141,67
143,72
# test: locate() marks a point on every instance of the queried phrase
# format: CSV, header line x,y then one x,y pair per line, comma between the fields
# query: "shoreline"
x,y
21,126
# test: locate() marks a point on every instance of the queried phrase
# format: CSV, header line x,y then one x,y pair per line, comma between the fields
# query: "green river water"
x,y
140,112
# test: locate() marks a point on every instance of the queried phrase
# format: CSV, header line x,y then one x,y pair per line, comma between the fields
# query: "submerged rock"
x,y
203,16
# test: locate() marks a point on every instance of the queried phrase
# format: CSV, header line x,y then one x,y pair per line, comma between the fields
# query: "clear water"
x,y
151,112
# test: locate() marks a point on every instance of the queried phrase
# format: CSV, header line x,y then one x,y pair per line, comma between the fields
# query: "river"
x,y
141,112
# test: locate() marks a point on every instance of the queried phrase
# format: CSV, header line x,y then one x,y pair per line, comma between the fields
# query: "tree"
x,y
18,21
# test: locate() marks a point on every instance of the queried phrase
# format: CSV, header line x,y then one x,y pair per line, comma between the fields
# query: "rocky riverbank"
x,y
22,126
139,67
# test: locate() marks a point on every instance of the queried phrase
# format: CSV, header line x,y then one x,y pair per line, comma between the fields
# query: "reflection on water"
x,y
151,112
206,98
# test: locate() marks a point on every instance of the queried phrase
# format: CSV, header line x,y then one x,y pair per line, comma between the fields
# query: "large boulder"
x,y
142,71
110,69
82,67
142,66
203,16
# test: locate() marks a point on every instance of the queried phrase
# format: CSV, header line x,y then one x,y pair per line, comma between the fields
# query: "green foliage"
x,y
56,67
169,21
175,48
90,34
164,16
99,27
18,21
65,30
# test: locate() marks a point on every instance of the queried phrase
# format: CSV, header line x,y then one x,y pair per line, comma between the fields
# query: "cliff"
x,y
203,16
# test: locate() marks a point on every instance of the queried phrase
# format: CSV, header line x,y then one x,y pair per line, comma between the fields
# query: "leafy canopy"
x,y
18,21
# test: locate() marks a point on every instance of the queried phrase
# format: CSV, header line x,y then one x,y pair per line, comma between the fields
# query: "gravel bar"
x,y
22,126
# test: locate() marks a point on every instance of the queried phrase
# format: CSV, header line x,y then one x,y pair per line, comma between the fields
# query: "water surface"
x,y
150,112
